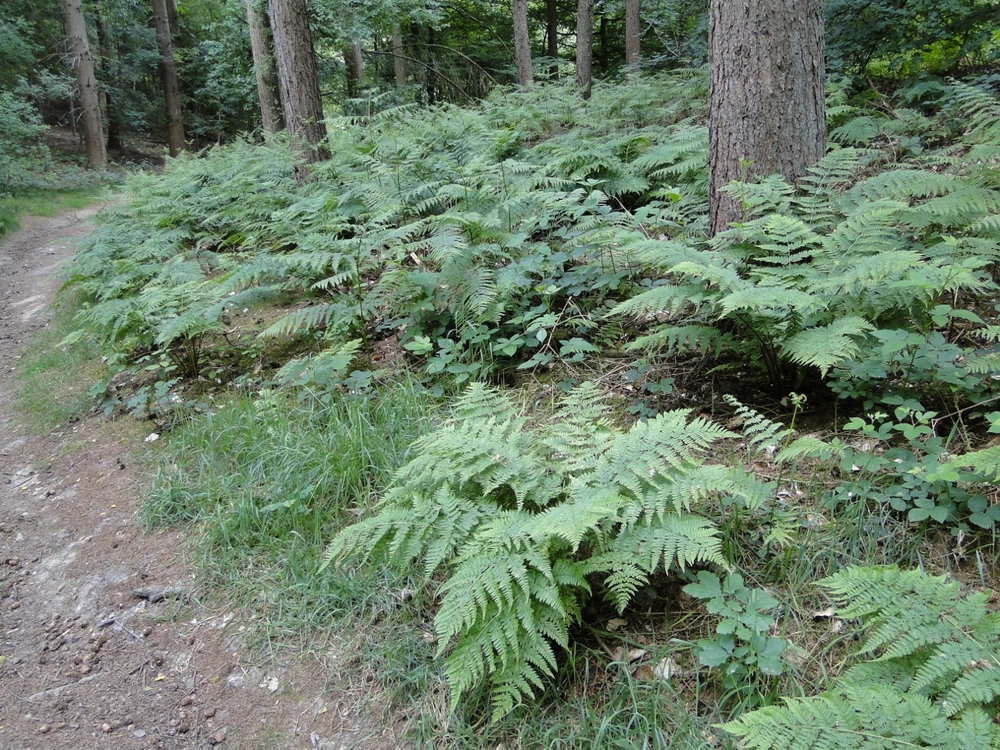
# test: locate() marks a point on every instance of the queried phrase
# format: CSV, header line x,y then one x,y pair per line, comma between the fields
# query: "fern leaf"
x,y
305,319
827,346
680,540
759,432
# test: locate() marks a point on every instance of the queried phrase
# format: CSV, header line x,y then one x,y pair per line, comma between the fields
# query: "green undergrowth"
x,y
265,482
53,382
529,565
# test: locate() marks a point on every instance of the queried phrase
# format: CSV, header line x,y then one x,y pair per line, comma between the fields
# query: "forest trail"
x,y
104,641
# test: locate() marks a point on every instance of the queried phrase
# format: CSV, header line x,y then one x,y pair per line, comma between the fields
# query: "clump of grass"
x,y
597,705
269,481
53,381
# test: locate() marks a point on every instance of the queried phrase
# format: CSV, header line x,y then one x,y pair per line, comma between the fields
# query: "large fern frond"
x,y
933,684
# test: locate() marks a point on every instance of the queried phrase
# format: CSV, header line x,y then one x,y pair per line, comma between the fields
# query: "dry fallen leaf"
x,y
616,623
666,669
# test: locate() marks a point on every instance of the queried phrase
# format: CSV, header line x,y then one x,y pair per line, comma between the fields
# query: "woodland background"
x,y
612,408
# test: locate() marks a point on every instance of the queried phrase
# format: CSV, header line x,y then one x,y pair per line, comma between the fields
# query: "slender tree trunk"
x,y
522,44
263,68
602,34
83,63
552,36
584,47
766,94
398,63
632,32
299,82
175,23
354,69
106,50
431,80
168,74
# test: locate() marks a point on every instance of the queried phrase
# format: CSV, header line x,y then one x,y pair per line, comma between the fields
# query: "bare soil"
x,y
105,640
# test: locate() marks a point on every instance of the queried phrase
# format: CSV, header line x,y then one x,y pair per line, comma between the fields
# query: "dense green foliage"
x,y
521,519
539,241
933,681
23,155
908,37
485,245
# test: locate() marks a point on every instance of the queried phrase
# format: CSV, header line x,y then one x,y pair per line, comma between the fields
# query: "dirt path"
x,y
103,640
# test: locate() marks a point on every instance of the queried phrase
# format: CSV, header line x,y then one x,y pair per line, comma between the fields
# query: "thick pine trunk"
x,y
398,63
584,47
299,82
522,44
767,111
90,104
632,32
168,75
264,69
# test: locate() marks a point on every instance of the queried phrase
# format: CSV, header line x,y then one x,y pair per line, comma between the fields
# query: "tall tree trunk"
x,y
263,68
107,53
552,36
632,32
354,69
83,63
168,74
299,81
766,94
584,47
398,63
522,44
431,81
602,34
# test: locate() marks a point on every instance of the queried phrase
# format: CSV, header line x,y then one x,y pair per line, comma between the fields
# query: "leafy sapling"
x,y
749,657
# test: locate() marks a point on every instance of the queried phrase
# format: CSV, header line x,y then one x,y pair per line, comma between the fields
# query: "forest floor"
x,y
105,640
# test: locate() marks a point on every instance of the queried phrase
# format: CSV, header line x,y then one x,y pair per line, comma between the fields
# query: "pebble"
x,y
139,733
209,713
186,700
105,727
218,738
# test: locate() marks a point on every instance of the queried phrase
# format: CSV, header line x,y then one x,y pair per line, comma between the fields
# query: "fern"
x,y
934,683
827,346
759,432
519,518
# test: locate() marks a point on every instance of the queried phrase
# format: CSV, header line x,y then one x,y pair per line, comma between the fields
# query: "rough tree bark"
x,y
354,69
263,68
522,44
584,47
398,63
168,75
299,82
766,95
90,104
632,32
